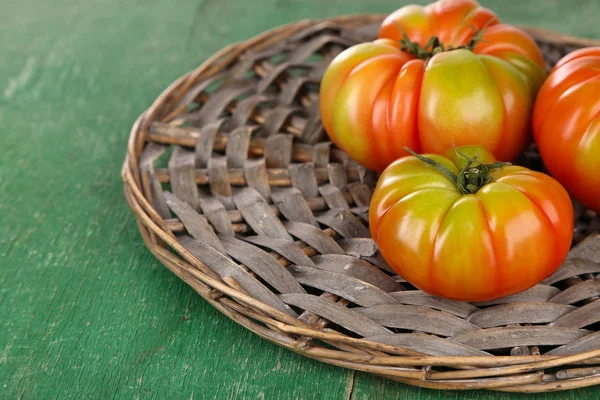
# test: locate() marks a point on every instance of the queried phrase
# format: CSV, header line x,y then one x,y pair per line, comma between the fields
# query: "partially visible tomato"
x,y
470,232
566,124
472,81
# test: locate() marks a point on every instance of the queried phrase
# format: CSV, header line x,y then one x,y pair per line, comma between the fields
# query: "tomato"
x,y
566,124
459,75
474,233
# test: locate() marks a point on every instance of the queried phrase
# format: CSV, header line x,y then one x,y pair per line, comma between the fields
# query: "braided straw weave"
x,y
237,190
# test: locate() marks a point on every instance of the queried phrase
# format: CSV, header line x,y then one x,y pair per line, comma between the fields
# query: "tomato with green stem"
x,y
449,71
566,124
466,227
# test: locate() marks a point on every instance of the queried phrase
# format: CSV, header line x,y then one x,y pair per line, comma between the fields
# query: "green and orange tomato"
x,y
566,124
447,72
470,231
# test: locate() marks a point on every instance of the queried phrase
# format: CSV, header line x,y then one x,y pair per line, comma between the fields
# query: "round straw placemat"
x,y
237,190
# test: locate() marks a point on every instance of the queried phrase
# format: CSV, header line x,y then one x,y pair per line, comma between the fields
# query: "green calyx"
x,y
472,177
435,46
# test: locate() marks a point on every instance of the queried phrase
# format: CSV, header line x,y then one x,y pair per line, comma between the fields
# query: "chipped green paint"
x,y
85,310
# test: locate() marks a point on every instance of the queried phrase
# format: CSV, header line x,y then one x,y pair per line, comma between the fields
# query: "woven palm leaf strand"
x,y
238,192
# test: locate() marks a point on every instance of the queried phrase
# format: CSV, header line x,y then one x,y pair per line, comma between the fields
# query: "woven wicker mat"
x,y
238,192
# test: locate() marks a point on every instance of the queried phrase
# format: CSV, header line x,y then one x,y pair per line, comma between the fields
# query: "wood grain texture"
x,y
85,310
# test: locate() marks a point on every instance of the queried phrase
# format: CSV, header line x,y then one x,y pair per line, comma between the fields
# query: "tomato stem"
x,y
470,178
435,46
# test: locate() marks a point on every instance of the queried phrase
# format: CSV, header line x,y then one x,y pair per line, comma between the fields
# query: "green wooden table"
x,y
85,310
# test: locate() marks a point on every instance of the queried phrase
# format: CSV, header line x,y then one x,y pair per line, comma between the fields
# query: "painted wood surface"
x,y
85,309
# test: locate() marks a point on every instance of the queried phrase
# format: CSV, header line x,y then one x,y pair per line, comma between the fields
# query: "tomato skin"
x,y
376,98
505,238
566,124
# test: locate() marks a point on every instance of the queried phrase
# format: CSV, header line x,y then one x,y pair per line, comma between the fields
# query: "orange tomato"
x,y
470,232
475,84
566,124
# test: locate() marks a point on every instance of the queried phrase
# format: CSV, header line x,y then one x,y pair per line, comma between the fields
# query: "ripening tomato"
x,y
459,74
566,124
470,231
